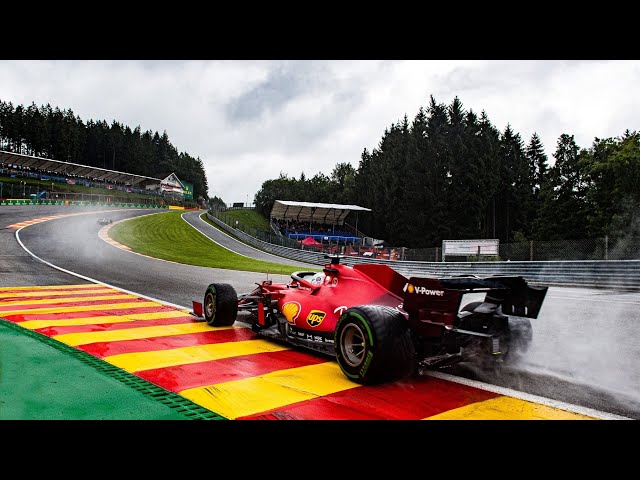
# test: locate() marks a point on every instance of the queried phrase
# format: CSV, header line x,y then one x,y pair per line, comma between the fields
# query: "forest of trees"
x,y
60,135
450,174
447,174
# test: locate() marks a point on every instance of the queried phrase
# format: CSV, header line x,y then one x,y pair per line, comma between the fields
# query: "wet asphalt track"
x,y
586,348
72,243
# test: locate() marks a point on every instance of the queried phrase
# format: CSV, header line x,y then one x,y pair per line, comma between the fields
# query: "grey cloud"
x,y
502,76
152,65
285,82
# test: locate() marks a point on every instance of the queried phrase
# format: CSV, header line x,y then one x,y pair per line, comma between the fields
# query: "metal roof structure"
x,y
327,213
67,168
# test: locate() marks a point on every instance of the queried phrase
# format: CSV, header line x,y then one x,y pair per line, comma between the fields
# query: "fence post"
x,y
606,247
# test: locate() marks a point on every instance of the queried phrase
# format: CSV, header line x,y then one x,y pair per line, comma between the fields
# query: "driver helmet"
x,y
318,278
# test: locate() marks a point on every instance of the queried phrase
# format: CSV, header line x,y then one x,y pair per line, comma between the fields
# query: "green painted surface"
x,y
42,379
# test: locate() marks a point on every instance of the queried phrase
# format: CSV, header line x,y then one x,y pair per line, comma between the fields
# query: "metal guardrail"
x,y
20,201
586,273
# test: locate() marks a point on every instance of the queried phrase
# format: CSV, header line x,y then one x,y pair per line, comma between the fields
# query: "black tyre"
x,y
373,344
220,305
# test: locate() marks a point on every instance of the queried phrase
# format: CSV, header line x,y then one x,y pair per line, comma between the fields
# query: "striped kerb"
x,y
232,371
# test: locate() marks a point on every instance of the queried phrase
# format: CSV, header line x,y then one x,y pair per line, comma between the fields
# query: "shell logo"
x,y
291,310
408,288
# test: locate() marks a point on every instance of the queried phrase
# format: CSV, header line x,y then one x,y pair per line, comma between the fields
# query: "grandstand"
x,y
49,170
323,222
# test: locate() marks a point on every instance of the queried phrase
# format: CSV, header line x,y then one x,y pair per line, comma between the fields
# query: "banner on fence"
x,y
469,247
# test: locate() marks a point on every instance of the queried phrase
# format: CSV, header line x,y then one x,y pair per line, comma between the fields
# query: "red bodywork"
x,y
318,307
315,310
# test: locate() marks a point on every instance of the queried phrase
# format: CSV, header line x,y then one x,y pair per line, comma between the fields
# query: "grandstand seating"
x,y
319,232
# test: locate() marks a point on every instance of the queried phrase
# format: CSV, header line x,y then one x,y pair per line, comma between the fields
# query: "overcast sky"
x,y
250,120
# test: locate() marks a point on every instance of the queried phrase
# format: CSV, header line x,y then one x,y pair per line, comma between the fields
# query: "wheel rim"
x,y
209,305
352,345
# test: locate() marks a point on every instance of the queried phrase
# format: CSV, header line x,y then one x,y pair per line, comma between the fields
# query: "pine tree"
x,y
538,167
515,189
564,213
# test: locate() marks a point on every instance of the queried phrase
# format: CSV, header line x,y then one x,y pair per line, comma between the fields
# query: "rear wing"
x,y
443,295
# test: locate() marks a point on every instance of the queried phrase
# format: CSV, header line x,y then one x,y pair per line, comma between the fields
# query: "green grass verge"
x,y
248,218
167,236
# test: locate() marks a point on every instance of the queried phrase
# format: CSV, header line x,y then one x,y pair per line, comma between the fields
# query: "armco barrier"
x,y
586,273
71,203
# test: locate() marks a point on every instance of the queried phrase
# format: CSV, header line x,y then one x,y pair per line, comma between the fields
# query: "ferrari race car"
x,y
381,326
105,221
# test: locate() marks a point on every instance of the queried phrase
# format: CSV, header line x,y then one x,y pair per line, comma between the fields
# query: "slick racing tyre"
x,y
220,305
373,344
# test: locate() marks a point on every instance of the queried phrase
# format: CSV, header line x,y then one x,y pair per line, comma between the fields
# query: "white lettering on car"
x,y
340,309
422,290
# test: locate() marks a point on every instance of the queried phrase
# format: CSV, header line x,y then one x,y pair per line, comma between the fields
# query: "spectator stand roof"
x,y
74,169
324,213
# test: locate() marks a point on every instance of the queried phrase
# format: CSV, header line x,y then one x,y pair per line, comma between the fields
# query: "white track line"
x,y
104,233
527,397
235,240
219,244
89,279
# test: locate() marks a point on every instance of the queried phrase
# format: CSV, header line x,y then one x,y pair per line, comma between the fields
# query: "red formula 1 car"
x,y
380,325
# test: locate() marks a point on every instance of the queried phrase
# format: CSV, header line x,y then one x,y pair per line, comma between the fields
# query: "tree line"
x,y
60,135
451,174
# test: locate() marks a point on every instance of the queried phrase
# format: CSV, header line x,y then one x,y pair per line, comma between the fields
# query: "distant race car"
x,y
381,326
105,221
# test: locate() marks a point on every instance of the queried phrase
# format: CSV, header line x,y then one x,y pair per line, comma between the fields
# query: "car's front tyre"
x,y
220,305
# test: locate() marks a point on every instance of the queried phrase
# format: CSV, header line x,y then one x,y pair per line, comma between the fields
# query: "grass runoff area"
x,y
169,237
248,218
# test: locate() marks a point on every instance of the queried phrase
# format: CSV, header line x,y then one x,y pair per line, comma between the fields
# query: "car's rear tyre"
x,y
220,305
373,344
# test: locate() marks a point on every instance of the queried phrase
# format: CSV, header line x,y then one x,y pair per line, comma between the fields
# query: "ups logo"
x,y
315,318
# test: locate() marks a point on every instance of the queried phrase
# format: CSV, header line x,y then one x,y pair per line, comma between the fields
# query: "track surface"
x,y
577,356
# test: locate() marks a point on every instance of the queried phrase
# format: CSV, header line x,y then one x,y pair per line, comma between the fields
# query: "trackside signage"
x,y
470,247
